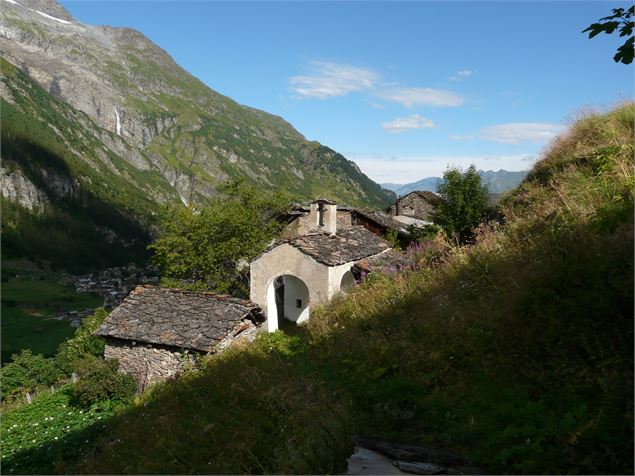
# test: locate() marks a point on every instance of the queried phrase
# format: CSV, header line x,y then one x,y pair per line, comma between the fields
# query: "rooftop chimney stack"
x,y
323,216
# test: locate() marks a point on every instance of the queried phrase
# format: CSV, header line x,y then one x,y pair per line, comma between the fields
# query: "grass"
x,y
37,438
29,306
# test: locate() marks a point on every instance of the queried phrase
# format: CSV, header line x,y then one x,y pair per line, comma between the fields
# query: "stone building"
x,y
315,262
304,219
156,332
419,205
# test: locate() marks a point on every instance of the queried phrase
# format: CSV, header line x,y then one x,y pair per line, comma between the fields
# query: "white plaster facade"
x,y
312,265
318,283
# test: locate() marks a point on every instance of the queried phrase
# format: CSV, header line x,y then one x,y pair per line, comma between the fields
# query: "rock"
x,y
365,461
408,452
419,468
15,186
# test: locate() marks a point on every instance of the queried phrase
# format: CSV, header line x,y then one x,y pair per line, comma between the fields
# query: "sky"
x,y
404,89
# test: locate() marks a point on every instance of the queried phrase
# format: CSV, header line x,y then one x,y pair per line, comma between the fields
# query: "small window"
x,y
298,303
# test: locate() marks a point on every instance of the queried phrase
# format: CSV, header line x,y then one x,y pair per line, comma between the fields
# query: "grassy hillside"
x,y
516,352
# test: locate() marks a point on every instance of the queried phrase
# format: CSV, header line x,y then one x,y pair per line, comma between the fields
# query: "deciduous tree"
x,y
464,203
619,21
205,249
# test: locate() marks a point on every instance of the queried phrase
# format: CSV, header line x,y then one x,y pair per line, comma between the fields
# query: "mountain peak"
x,y
49,7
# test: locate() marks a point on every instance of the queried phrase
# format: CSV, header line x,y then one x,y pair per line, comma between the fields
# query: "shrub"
x,y
423,233
27,373
464,203
82,344
99,381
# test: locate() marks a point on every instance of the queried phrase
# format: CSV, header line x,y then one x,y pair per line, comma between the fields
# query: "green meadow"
x,y
31,300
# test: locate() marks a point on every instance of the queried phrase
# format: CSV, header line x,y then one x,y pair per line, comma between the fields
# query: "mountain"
x,y
100,117
426,184
499,181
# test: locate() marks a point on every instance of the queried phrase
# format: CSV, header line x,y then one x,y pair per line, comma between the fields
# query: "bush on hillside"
x,y
99,381
421,234
27,373
72,351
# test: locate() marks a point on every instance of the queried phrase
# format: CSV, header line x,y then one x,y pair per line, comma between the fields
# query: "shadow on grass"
x,y
521,361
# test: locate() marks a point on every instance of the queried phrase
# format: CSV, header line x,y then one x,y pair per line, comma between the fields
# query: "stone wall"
x,y
344,220
413,205
147,363
298,227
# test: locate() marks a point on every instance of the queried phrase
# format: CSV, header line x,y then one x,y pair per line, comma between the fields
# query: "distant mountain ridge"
x,y
499,181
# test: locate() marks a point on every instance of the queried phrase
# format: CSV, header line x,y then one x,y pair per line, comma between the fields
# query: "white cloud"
x,y
515,133
327,80
410,169
402,124
459,75
422,97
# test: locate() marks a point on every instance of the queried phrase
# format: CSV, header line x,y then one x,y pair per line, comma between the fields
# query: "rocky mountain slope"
x,y
499,181
132,128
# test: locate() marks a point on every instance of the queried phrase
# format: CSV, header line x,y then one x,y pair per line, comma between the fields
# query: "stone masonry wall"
x,y
344,220
146,363
151,363
414,206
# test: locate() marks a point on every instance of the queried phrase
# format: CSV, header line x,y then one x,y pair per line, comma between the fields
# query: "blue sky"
x,y
402,88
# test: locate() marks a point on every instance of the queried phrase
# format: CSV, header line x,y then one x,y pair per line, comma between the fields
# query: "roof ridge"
x,y
221,297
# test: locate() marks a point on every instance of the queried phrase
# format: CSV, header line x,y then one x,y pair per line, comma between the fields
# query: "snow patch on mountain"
x,y
45,15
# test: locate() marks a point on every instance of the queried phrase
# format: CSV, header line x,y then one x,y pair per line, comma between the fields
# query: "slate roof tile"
x,y
178,318
347,245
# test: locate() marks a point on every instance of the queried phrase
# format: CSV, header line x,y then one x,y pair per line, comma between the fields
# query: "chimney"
x,y
330,218
323,216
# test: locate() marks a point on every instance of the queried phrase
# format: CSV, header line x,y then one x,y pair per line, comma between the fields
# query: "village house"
x,y
302,219
315,261
417,205
156,332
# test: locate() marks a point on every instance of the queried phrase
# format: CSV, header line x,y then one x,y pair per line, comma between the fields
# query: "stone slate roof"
x,y
173,317
347,245
391,261
430,196
384,220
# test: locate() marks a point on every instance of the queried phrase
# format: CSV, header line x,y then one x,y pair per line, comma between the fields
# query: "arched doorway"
x,y
348,282
287,298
